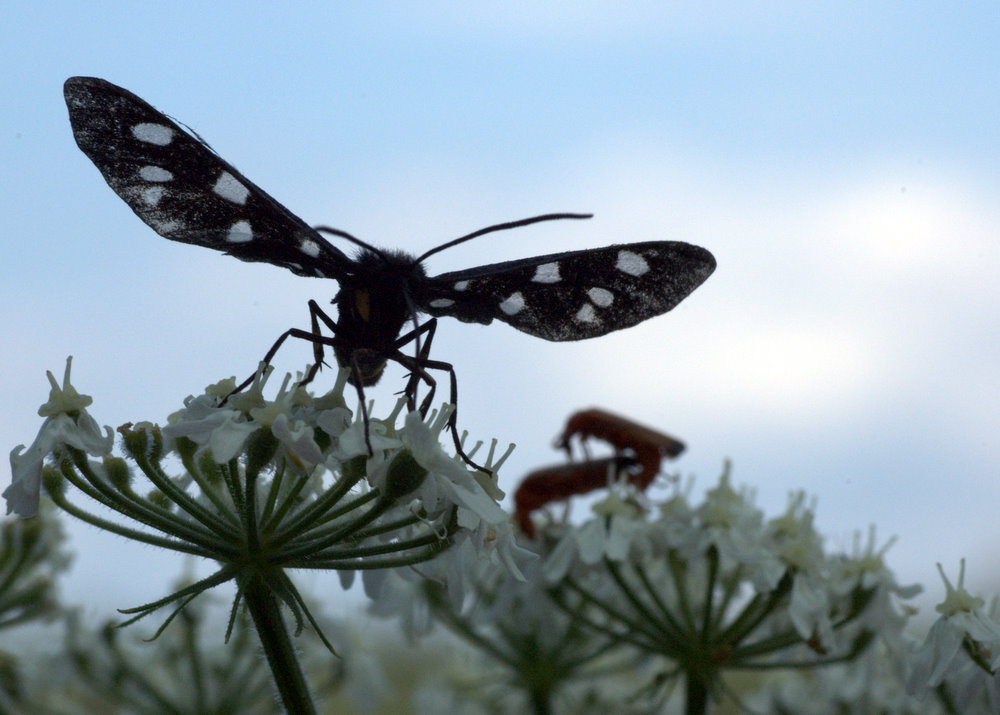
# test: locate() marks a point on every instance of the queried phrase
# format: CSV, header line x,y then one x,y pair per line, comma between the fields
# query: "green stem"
x,y
540,702
277,644
697,694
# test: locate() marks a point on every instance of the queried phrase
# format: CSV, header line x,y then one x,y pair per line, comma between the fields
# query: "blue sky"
x,y
842,163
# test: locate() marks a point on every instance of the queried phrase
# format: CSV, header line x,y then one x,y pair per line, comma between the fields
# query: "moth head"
x,y
370,365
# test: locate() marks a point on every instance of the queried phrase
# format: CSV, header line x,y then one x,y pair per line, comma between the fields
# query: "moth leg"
x,y
315,315
418,373
314,336
426,330
419,368
359,386
290,333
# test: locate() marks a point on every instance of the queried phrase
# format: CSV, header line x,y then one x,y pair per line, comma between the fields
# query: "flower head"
x,y
962,647
290,482
67,423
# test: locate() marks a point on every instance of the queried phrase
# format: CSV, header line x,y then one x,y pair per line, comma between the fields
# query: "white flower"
x,y
810,607
866,568
941,655
446,478
223,430
334,421
586,543
67,423
297,436
352,440
393,594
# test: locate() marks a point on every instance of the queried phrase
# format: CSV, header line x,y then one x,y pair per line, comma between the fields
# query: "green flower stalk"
x,y
538,658
31,556
180,673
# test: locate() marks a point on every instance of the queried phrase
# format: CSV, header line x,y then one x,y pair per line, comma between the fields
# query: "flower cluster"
x,y
261,486
717,588
647,596
644,603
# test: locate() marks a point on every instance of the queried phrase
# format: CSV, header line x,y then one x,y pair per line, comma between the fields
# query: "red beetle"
x,y
636,446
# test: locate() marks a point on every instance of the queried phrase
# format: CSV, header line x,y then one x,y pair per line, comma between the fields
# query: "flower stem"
x,y
540,702
697,694
277,644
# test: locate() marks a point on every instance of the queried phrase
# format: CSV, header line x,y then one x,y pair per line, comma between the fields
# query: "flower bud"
x,y
118,472
260,449
404,475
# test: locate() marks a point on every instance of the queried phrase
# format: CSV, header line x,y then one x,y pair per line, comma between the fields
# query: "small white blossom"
x,y
298,438
67,423
393,594
810,608
352,440
223,430
941,656
334,421
446,478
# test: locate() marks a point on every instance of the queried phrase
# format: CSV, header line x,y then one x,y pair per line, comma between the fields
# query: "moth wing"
x,y
183,190
573,295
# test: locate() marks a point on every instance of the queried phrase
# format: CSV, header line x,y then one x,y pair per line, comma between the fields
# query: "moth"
x,y
186,192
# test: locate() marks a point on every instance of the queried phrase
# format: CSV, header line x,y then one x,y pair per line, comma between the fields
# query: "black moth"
x,y
185,192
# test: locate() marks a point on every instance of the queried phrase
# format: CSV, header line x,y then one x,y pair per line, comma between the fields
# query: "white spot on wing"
x,y
240,232
602,297
309,247
230,189
165,228
155,173
461,285
441,302
512,304
586,314
153,133
151,195
631,263
547,273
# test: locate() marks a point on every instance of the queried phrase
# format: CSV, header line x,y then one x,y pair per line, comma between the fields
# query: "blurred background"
x,y
841,162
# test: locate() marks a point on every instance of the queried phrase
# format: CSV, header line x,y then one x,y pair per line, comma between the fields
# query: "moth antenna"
x,y
353,239
501,227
